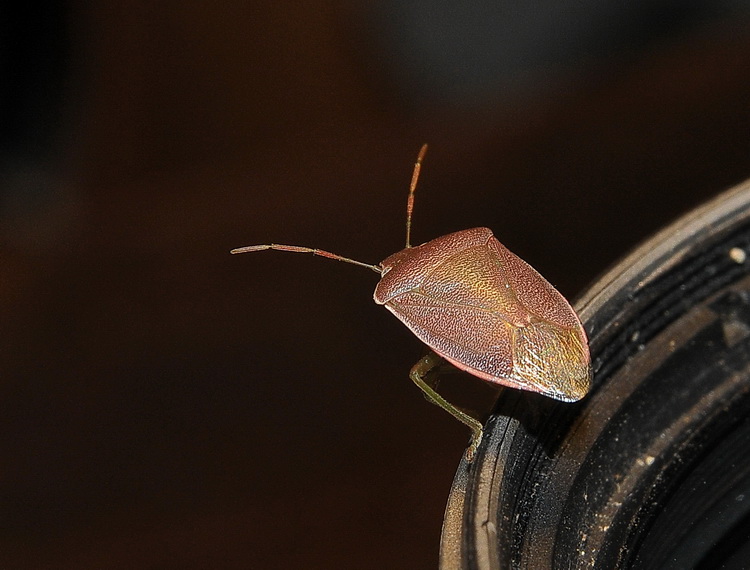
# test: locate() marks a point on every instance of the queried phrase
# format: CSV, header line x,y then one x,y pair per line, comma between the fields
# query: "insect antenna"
x,y
302,249
412,188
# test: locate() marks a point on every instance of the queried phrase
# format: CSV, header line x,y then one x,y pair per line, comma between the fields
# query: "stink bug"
x,y
481,308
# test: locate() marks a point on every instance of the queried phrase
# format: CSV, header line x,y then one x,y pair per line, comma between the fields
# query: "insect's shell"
x,y
488,312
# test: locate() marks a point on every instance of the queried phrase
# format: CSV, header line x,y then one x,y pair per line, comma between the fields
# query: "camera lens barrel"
x,y
652,468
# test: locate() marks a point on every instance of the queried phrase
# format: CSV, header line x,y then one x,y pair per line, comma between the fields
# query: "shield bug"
x,y
482,309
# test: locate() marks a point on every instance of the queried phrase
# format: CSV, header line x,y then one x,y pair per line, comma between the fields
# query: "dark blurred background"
x,y
166,405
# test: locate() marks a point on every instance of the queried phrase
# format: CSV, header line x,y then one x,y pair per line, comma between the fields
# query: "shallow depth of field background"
x,y
166,405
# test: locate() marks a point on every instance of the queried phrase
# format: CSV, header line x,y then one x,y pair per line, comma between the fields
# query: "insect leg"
x,y
422,374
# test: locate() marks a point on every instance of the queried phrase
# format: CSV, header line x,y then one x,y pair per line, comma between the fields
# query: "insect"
x,y
482,309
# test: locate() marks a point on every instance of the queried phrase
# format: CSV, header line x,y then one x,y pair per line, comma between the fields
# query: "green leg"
x,y
423,375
